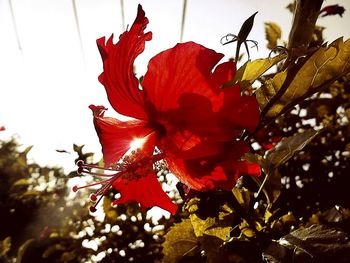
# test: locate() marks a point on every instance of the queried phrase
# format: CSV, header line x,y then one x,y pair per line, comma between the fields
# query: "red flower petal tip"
x,y
98,111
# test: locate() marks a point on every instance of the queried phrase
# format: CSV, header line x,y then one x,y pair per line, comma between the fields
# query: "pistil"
x,y
130,167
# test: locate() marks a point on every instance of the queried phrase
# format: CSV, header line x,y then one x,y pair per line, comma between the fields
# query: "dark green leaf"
x,y
22,249
68,256
5,246
53,249
22,157
316,243
22,181
212,248
180,242
286,148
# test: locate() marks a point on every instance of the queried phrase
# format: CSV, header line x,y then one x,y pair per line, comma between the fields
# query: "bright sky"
x,y
47,83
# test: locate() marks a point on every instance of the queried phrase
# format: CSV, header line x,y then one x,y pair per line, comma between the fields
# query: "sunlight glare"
x,y
137,143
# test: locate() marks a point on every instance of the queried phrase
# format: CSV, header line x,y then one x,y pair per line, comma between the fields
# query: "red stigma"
x,y
80,170
93,197
92,209
80,163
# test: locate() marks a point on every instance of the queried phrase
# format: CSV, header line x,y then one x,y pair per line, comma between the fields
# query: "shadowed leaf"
x,y
20,182
53,249
316,243
277,156
30,194
68,256
286,148
212,247
271,184
180,242
22,157
22,249
5,246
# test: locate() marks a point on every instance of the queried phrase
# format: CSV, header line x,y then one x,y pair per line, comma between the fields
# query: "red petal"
x,y
196,175
115,136
247,168
183,69
185,95
222,74
186,145
217,171
242,113
118,77
194,116
146,189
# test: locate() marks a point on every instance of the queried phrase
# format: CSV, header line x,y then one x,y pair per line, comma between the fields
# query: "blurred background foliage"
x,y
41,222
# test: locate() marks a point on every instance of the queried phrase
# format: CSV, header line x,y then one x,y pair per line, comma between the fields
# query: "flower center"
x,y
158,127
130,167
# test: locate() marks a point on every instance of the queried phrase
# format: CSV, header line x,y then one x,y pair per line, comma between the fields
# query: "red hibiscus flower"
x,y
181,110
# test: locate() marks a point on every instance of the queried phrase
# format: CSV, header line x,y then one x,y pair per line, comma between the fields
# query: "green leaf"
x,y
324,66
282,223
22,157
30,194
271,184
246,230
316,243
52,249
287,147
27,150
273,33
270,88
22,249
21,182
68,256
243,196
192,205
252,70
334,215
218,226
110,212
212,247
180,242
277,156
5,246
78,149
255,158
